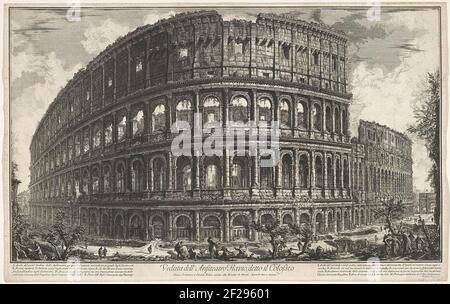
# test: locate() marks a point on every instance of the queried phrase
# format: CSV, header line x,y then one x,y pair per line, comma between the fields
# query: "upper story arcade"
x,y
199,48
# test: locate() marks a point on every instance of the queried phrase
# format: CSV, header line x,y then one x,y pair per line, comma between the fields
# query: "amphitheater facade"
x,y
102,152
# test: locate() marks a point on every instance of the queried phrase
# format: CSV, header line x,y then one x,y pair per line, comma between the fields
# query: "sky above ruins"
x,y
389,57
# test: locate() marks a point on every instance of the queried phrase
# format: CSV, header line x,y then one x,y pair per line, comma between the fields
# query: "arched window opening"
x,y
77,145
287,219
337,121
304,171
122,128
136,228
286,173
338,174
97,137
317,117
159,118
120,178
86,140
212,177
266,174
211,110
95,181
159,175
330,175
267,219
239,109
239,173
138,123
344,122
329,119
107,179
85,182
319,172
264,110
285,114
184,111
137,177
108,133
184,174
346,176
302,116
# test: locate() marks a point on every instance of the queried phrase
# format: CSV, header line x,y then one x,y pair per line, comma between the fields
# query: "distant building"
x,y
23,202
427,202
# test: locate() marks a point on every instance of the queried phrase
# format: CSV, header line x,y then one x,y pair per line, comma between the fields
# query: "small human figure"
x,y
212,248
104,252
178,248
100,251
376,238
184,252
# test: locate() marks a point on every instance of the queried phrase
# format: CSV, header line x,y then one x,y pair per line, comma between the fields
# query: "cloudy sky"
x,y
389,55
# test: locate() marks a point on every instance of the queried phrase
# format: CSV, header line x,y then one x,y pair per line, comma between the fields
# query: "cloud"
x,y
97,38
29,106
388,97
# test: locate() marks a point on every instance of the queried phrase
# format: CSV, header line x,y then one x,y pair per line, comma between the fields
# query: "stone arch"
x,y
318,165
211,226
212,173
287,219
183,110
183,226
240,172
304,170
328,118
305,218
157,168
159,117
265,108
267,218
302,113
184,173
338,219
330,221
320,223
337,120
119,226
362,220
240,229
136,227
317,113
330,172
239,108
157,226
286,171
107,178
347,220
137,175
210,107
120,170
285,106
93,223
104,224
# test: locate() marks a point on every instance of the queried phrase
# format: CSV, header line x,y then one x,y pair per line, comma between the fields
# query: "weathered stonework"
x,y
102,150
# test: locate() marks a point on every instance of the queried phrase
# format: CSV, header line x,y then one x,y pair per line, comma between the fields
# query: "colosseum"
x,y
102,152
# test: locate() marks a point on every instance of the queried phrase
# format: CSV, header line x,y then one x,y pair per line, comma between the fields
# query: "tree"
x,y
277,232
63,237
390,211
305,234
19,227
427,116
